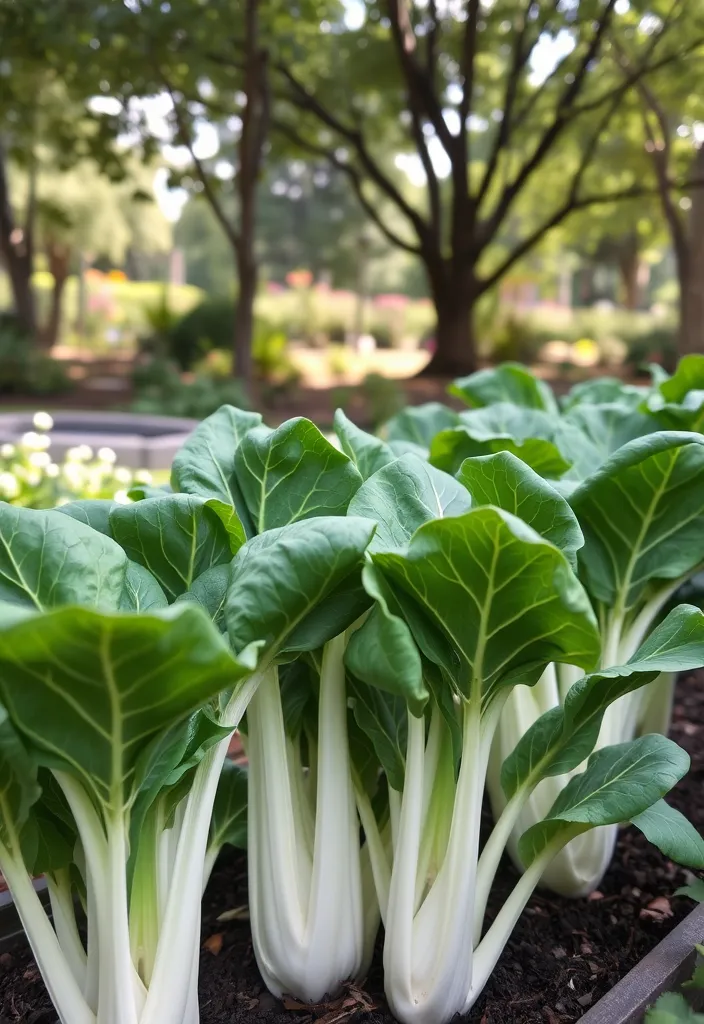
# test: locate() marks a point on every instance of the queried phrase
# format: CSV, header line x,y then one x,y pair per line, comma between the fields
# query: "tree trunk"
x,y
691,269
454,297
244,317
255,125
629,268
16,254
59,260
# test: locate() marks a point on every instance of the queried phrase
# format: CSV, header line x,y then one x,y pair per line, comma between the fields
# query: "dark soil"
x,y
562,957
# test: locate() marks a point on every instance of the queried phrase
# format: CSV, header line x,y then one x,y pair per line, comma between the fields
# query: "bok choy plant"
x,y
313,919
642,518
104,709
636,495
132,639
471,601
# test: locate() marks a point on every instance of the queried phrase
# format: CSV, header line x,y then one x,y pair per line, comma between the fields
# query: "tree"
x,y
670,111
252,105
495,91
82,211
49,72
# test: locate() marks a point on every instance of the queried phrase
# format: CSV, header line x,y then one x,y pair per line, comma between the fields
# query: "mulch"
x,y
562,957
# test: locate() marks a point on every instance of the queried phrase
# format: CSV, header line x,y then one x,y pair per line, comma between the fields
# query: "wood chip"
x,y
214,943
658,909
236,914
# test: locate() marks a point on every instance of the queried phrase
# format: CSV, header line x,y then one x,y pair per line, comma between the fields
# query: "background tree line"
x,y
526,124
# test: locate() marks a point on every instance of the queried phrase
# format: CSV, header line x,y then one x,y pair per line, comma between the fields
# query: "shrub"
x,y
383,396
24,369
161,390
210,328
208,325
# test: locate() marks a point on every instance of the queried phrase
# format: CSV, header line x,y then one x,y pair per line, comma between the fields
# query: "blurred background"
x,y
301,205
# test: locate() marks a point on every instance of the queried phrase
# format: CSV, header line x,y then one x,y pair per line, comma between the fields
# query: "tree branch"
x,y
518,63
659,150
431,42
554,130
420,88
307,101
571,206
469,53
209,192
355,178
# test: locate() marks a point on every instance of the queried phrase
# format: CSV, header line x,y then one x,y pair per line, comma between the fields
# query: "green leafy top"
x,y
504,599
292,473
89,690
49,559
510,382
642,515
403,495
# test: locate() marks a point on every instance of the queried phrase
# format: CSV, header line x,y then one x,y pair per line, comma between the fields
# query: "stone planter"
x,y
139,441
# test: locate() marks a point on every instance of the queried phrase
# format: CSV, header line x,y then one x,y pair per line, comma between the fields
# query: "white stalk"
x,y
335,911
276,874
398,943
119,996
377,852
92,982
491,856
64,917
169,989
64,991
170,985
394,815
492,945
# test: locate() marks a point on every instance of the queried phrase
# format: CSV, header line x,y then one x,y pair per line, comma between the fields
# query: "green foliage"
x,y
23,369
161,389
211,324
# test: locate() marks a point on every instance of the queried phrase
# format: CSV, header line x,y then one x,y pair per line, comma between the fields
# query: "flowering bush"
x,y
31,478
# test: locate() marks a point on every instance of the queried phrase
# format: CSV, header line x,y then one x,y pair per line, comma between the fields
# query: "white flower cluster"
x,y
30,477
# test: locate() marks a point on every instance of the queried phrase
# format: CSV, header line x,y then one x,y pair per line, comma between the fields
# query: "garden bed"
x,y
563,956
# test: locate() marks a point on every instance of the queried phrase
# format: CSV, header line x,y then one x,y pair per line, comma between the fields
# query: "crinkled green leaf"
x,y
509,382
210,591
88,691
419,424
666,828
383,719
610,426
507,482
563,737
382,652
205,465
94,512
695,890
505,599
333,616
279,577
142,593
138,492
368,452
642,515
293,473
604,390
19,789
48,559
177,538
618,783
402,496
450,448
